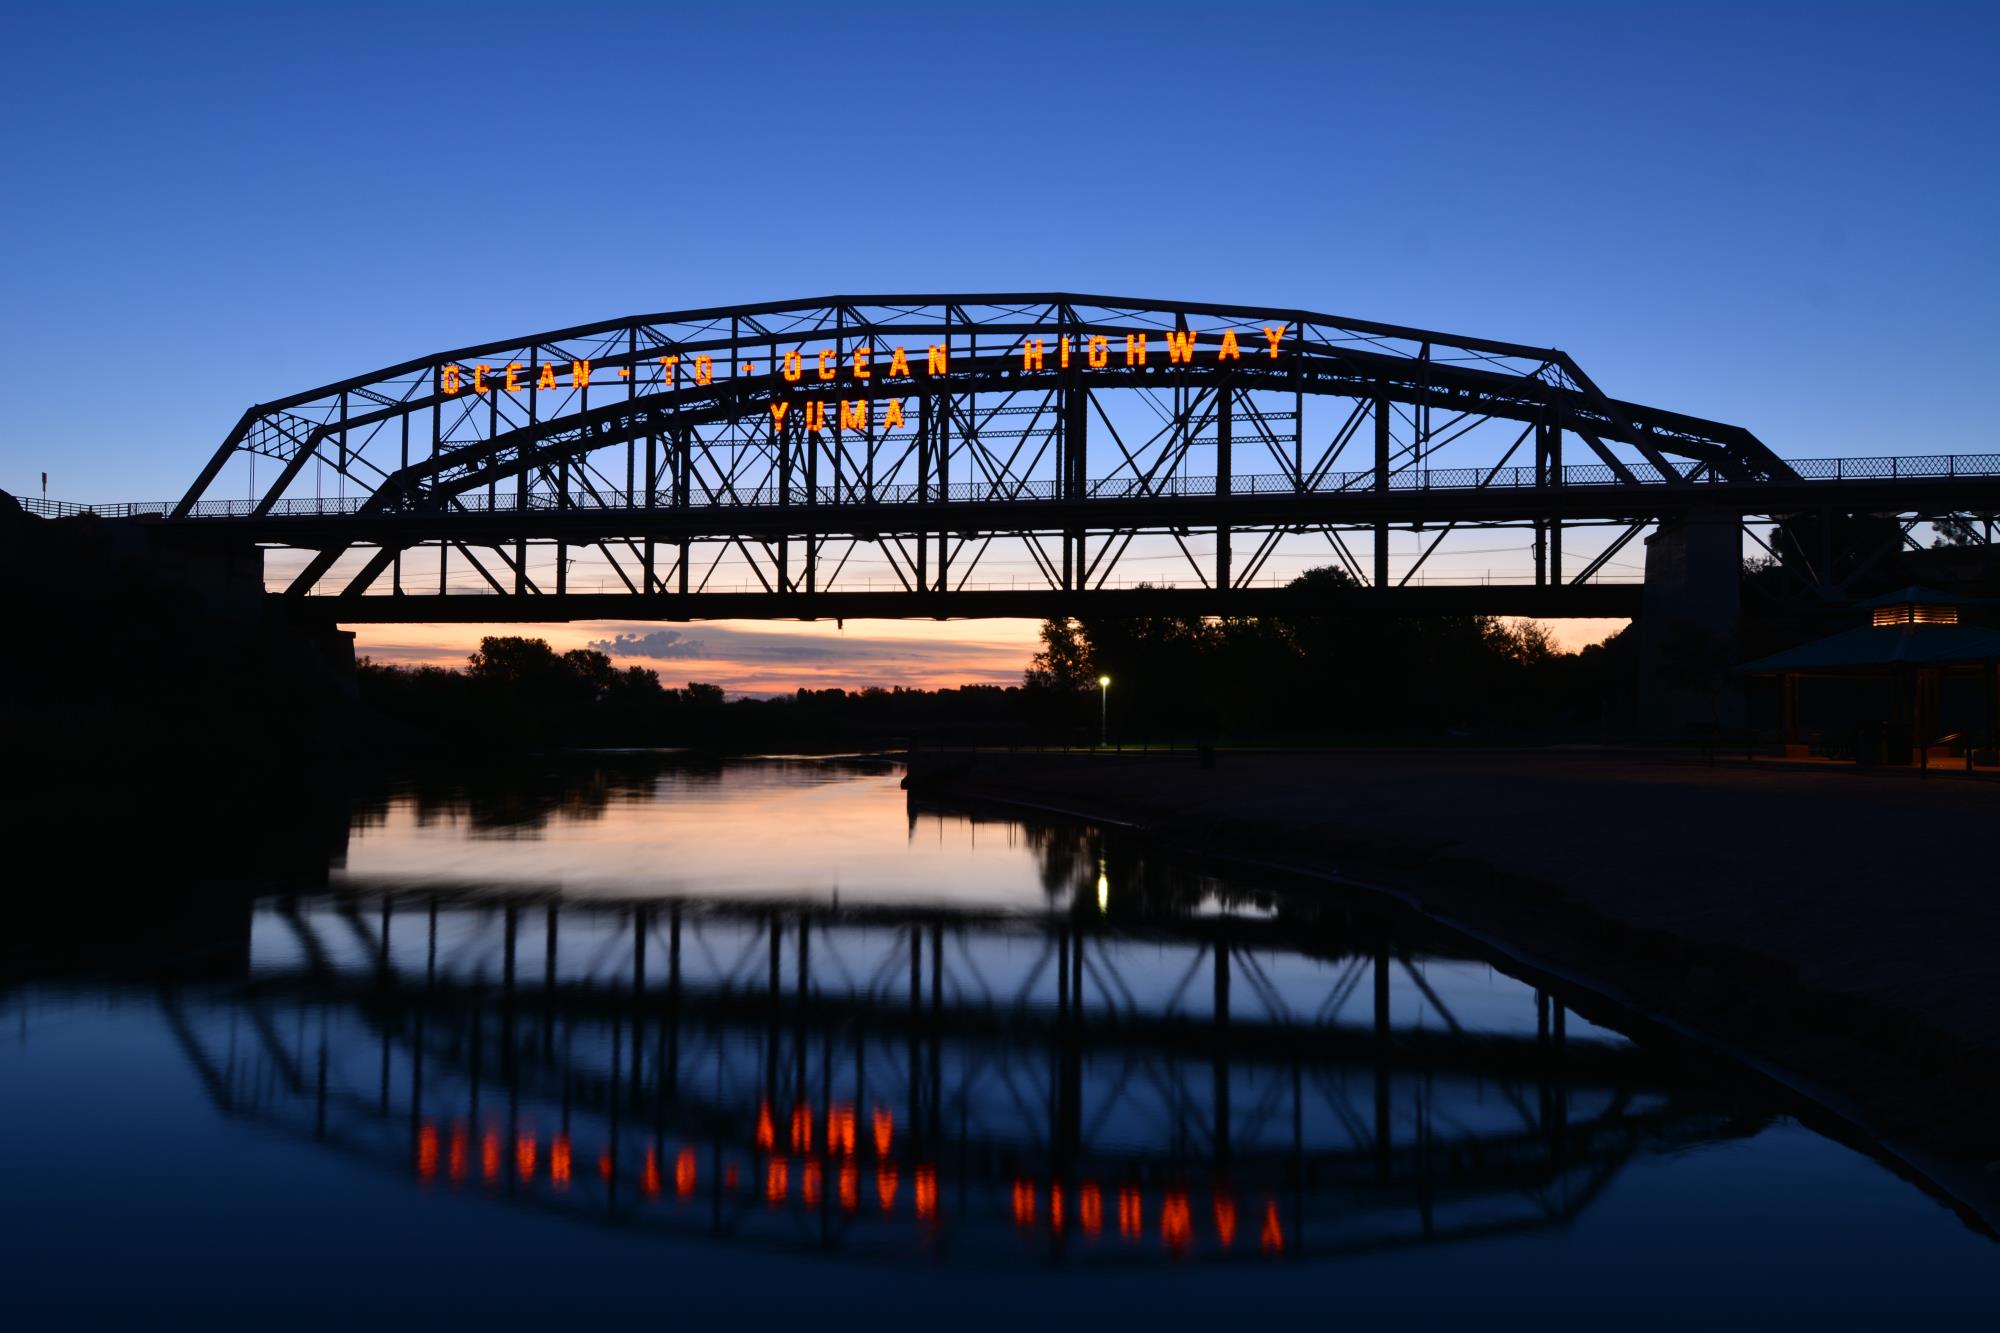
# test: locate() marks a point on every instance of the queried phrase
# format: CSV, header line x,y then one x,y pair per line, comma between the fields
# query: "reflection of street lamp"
x,y
1103,708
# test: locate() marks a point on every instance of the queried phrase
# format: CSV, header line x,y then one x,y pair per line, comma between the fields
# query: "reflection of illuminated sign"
x,y
800,1176
867,366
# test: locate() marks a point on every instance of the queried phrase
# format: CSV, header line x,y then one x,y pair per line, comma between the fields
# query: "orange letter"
x,y
1230,351
778,410
1135,349
1180,347
704,370
547,379
936,364
1098,354
448,379
1272,334
854,416
579,374
794,366
827,372
1272,1238
1064,362
815,416
670,370
861,364
1031,354
479,377
899,364
892,414
513,377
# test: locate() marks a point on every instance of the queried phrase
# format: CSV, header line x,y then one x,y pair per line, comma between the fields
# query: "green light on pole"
x,y
1103,709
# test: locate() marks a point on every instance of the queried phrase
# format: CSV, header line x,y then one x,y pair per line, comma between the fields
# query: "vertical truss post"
x,y
1076,483
1381,481
944,480
781,436
812,510
1541,521
521,483
1225,395
1555,446
924,448
683,463
396,578
652,492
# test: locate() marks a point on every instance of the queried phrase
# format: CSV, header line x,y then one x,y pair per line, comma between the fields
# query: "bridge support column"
x,y
1688,626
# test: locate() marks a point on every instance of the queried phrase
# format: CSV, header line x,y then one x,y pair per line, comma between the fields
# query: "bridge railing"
x,y
859,491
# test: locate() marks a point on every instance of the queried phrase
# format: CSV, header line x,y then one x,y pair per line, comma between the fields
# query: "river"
x,y
639,1034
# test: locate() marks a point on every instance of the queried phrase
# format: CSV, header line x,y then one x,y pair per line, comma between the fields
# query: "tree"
x,y
1064,665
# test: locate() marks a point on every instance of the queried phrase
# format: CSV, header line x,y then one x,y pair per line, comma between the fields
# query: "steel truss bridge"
x,y
1019,454
894,1083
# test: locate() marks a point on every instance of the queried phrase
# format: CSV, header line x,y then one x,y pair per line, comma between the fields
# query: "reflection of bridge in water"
x,y
893,1082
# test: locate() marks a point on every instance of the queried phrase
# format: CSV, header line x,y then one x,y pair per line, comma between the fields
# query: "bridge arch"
x,y
750,459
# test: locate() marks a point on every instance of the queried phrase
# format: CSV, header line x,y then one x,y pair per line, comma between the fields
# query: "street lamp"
x,y
1103,708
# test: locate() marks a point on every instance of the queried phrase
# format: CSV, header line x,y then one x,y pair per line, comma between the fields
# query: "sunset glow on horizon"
x,y
771,657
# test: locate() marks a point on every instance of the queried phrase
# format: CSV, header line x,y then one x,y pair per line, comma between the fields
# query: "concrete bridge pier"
x,y
1688,625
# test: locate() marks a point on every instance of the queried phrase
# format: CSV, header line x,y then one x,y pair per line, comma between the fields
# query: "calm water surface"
x,y
765,1036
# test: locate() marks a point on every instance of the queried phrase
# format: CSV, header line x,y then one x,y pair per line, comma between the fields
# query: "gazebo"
x,y
1937,677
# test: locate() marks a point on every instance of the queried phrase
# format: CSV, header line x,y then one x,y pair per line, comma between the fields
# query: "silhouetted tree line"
x,y
1279,678
1331,675
519,692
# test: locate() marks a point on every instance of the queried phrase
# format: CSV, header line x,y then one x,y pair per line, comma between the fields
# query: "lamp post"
x,y
1103,709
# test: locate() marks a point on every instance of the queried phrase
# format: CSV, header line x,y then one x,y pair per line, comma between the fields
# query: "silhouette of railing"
x,y
1883,468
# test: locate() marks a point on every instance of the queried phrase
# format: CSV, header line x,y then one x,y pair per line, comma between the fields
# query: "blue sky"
x,y
1780,216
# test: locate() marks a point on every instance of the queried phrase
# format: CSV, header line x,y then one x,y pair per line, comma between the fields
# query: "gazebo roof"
x,y
1890,646
1922,596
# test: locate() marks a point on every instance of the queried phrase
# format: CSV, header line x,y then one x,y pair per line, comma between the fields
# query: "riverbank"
x,y
1839,930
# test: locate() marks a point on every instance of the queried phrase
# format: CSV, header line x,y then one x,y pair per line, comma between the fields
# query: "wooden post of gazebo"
x,y
1788,694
